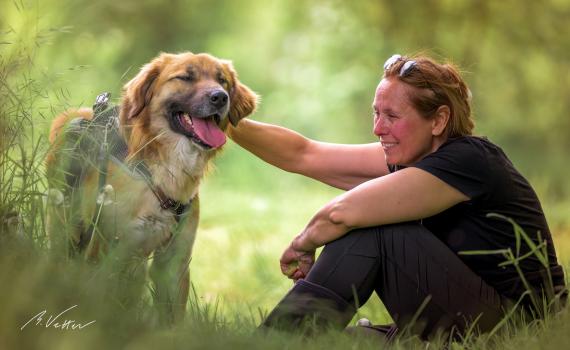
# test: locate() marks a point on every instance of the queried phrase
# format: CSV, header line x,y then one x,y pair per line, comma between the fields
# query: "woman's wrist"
x,y
232,130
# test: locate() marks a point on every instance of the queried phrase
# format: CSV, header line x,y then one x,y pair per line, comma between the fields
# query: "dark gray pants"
x,y
407,266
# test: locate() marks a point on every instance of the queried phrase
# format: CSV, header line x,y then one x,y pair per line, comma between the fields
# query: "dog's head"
x,y
191,96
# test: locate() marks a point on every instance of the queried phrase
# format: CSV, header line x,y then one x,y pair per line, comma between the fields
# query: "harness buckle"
x,y
101,102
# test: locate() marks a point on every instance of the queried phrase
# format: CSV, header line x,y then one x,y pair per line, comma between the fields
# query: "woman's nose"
x,y
379,126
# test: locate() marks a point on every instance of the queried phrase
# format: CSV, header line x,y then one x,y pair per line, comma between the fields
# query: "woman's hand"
x,y
295,264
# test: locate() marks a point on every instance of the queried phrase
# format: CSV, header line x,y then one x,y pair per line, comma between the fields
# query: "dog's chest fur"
x,y
180,171
135,216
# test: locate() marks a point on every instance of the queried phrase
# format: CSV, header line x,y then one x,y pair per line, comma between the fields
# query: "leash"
x,y
113,147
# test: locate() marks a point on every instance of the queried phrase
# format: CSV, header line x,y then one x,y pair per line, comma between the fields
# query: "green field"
x,y
235,276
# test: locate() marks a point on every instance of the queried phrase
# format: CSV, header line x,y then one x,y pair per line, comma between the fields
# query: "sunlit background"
x,y
315,65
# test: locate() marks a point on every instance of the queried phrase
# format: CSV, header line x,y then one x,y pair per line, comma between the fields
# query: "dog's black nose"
x,y
219,98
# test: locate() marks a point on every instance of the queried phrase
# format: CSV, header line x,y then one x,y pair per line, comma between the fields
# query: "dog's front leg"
x,y
127,254
170,271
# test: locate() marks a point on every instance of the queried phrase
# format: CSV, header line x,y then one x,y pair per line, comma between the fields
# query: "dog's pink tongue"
x,y
207,130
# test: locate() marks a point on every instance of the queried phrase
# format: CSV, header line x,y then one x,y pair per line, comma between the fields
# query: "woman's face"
x,y
405,135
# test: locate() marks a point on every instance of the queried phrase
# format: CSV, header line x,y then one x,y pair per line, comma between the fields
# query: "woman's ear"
x,y
440,120
243,101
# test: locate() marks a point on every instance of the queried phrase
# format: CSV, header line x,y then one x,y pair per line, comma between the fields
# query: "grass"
x,y
236,281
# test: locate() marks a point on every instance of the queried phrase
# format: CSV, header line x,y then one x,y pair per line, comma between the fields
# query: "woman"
x,y
414,202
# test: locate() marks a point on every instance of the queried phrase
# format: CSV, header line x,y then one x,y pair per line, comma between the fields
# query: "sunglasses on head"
x,y
405,70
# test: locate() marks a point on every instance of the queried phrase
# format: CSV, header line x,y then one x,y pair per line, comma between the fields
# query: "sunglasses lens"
x,y
407,68
390,61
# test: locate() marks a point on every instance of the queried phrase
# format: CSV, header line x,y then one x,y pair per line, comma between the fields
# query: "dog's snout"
x,y
219,98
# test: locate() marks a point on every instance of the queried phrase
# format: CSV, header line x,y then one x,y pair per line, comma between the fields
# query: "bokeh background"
x,y
315,65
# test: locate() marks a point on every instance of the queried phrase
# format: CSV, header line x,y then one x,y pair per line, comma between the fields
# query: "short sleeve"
x,y
462,164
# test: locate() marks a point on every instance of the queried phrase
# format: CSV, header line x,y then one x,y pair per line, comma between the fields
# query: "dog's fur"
x,y
135,222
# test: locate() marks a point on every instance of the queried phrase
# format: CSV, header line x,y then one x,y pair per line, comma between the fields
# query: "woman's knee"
x,y
405,233
368,241
349,265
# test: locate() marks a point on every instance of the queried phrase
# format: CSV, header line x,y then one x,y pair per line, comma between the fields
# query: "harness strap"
x,y
103,162
115,147
176,207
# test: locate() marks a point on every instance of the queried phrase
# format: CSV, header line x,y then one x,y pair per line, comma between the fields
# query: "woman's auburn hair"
x,y
437,85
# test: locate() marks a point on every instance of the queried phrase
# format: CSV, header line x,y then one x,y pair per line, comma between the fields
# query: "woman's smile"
x,y
404,134
388,145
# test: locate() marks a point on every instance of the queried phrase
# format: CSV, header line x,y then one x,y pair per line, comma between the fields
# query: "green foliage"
x,y
316,63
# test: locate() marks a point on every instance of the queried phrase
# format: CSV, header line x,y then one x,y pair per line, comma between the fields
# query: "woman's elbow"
x,y
340,215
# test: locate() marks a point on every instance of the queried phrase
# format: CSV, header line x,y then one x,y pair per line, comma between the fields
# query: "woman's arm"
x,y
341,166
408,194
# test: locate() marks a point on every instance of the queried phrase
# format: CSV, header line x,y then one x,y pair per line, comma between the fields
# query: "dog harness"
x,y
100,136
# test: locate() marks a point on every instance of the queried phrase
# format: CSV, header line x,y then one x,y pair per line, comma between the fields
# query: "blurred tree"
x,y
316,63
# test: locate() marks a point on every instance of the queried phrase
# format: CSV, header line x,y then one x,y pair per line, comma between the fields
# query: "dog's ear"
x,y
137,93
243,101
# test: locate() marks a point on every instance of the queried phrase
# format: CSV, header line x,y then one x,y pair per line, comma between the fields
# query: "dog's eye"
x,y
187,78
222,80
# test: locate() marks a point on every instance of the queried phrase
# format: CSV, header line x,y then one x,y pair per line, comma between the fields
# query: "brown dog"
x,y
173,116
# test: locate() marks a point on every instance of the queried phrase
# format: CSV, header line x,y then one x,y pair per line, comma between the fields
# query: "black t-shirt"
x,y
482,171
